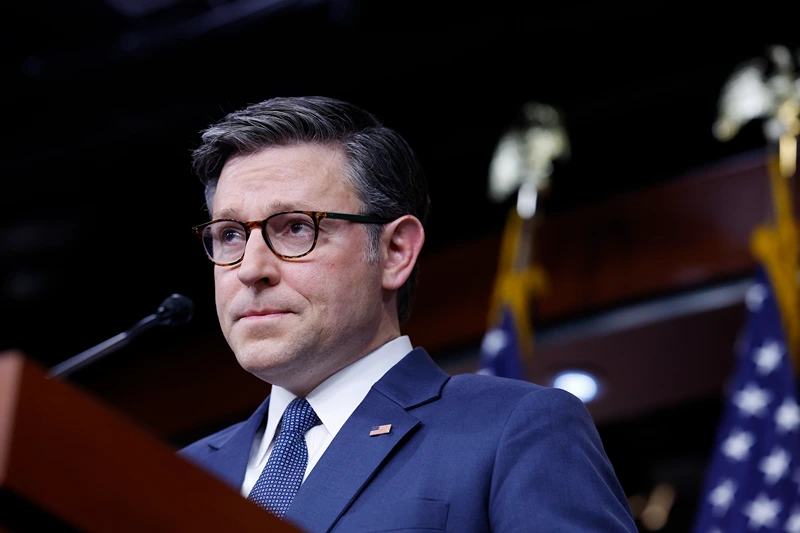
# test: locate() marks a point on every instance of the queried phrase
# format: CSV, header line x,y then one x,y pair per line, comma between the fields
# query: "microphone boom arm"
x,y
101,350
174,311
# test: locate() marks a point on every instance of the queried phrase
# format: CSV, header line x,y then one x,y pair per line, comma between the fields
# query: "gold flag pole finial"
x,y
769,90
758,89
523,159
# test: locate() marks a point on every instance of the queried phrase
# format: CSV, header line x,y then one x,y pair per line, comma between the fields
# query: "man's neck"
x,y
318,374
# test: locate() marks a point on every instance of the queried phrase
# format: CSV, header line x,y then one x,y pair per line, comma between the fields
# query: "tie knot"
x,y
299,417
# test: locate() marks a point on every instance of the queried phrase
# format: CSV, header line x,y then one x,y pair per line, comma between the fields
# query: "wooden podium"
x,y
69,463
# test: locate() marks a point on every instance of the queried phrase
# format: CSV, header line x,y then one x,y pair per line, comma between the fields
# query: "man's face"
x,y
295,322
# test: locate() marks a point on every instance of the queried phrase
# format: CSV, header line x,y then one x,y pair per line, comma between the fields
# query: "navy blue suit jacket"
x,y
465,454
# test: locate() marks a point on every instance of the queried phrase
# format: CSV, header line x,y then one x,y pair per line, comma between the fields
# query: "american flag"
x,y
753,480
500,349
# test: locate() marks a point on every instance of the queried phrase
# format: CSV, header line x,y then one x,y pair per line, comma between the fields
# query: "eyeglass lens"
x,y
290,234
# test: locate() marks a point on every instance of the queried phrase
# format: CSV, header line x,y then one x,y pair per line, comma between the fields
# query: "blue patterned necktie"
x,y
281,477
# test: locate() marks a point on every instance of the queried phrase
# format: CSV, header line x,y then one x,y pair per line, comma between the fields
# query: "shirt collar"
x,y
335,399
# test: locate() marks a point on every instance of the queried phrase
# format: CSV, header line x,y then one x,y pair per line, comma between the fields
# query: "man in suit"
x,y
317,223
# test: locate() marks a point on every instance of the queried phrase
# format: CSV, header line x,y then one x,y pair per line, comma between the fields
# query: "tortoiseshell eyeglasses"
x,y
290,235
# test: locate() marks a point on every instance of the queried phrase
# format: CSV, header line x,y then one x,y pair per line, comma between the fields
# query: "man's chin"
x,y
261,364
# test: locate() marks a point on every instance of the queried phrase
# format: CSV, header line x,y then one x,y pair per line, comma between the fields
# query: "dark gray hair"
x,y
381,167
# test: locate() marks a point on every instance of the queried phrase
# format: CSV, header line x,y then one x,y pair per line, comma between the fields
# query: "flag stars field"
x,y
494,341
762,512
722,496
787,416
753,478
755,296
752,401
793,523
737,445
775,465
768,357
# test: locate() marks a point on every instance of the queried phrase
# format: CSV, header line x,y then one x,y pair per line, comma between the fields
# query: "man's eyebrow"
x,y
271,209
225,213
278,206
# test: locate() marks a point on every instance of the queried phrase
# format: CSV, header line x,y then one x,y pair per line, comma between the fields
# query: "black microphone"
x,y
175,310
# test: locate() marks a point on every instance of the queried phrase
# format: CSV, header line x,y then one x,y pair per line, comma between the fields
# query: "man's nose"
x,y
259,264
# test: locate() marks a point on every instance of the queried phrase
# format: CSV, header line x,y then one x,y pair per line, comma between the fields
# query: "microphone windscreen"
x,y
175,310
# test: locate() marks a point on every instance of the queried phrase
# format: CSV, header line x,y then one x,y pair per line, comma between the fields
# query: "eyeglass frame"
x,y
316,216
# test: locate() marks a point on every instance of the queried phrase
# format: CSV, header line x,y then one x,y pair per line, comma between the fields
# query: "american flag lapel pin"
x,y
380,430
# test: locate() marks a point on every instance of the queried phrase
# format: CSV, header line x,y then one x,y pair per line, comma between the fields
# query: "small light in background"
x,y
655,514
581,384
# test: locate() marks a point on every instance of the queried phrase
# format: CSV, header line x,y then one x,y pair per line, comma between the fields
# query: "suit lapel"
x,y
231,452
354,456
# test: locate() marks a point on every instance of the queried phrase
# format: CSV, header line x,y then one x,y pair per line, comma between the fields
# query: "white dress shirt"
x,y
334,400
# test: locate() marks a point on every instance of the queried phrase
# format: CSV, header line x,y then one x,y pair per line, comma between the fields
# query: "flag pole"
x,y
521,165
752,480
776,247
518,280
749,94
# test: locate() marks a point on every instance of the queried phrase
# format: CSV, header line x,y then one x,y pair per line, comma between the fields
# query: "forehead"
x,y
299,176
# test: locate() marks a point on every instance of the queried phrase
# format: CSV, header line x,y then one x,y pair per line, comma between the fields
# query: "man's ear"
x,y
402,243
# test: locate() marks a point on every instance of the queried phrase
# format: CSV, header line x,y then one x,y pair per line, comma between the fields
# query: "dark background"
x,y
103,107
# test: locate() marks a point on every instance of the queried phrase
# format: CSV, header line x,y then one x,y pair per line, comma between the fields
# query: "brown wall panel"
x,y
686,233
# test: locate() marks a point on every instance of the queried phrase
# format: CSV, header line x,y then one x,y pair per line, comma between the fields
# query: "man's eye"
x,y
300,228
231,235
